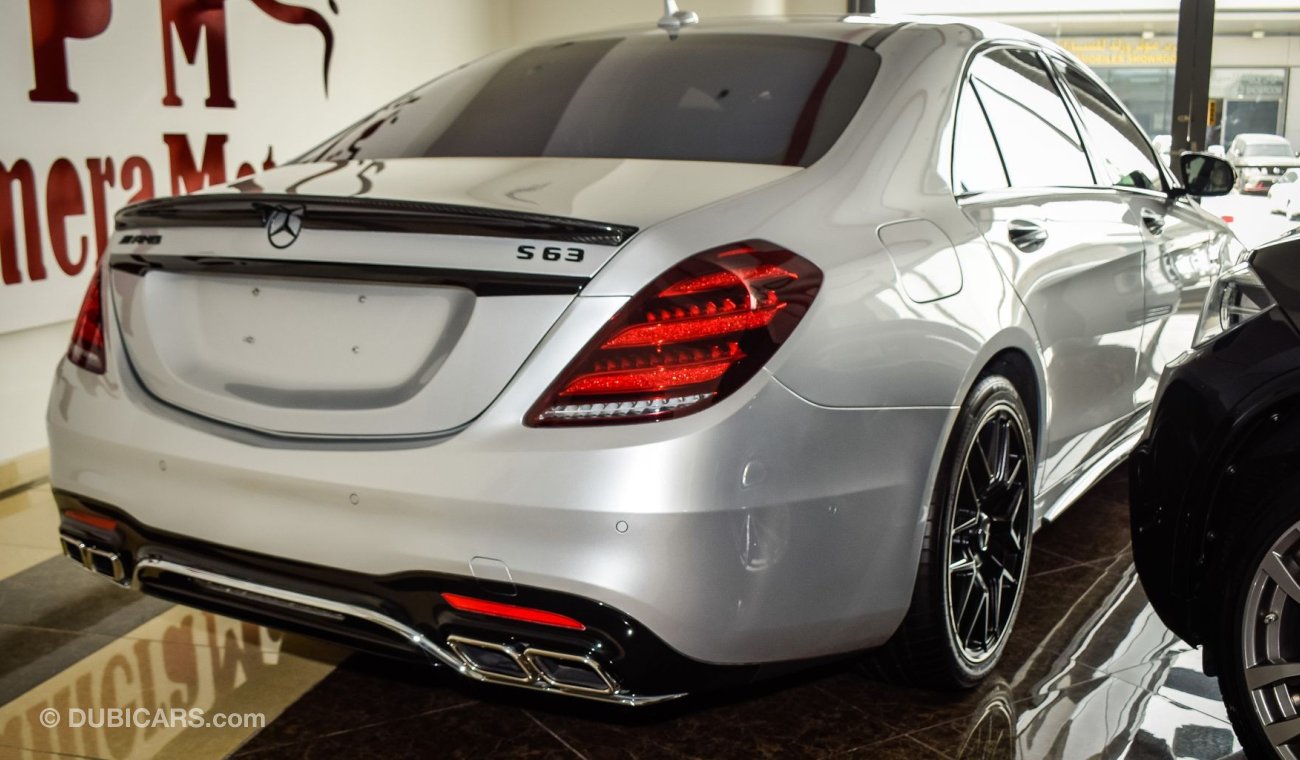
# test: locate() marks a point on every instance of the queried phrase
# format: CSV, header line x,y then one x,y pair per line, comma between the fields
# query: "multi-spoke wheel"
x,y
1261,677
976,553
988,535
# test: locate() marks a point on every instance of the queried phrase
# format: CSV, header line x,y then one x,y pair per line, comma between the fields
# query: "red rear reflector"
x,y
687,340
512,612
87,348
95,521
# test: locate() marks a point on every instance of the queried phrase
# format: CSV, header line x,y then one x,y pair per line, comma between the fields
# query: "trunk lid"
x,y
377,298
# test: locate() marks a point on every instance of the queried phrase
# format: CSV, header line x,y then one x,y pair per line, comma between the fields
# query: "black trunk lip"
x,y
482,282
326,212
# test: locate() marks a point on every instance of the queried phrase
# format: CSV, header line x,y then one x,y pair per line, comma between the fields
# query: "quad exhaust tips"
x,y
570,673
102,562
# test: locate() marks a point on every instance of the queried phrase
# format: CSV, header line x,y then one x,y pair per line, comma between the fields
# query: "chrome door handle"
x,y
1026,235
1153,221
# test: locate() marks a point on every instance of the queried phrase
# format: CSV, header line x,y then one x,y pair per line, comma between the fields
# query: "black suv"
x,y
1216,497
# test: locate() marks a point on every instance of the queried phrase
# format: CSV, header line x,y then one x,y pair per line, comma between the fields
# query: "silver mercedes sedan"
x,y
644,361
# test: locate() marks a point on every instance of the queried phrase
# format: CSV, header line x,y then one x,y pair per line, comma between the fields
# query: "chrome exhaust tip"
x,y
570,672
490,660
101,562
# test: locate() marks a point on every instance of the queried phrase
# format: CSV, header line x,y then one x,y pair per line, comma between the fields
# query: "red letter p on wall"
x,y
53,23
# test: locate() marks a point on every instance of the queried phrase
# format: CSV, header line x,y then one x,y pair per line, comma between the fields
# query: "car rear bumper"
x,y
612,658
788,532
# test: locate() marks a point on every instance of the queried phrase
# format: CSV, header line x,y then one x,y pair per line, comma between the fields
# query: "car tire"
x,y
1249,595
976,549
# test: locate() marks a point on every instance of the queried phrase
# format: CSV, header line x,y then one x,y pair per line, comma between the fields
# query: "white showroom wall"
x,y
533,20
119,139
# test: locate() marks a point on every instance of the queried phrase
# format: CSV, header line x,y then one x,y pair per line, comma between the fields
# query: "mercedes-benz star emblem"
x,y
283,225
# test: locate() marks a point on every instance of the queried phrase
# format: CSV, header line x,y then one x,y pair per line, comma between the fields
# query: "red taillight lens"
x,y
512,612
694,335
87,349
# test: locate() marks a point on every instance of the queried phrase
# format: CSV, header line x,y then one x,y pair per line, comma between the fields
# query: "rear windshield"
x,y
751,99
1268,149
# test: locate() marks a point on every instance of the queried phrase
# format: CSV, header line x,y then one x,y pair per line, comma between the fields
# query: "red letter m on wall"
x,y
189,19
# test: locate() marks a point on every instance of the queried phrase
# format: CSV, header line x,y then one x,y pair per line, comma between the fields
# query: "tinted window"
x,y
753,99
976,164
1124,151
1267,149
1039,142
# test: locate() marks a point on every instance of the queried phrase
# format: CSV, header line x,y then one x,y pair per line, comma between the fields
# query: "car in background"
x,y
646,361
1260,160
1284,195
1216,497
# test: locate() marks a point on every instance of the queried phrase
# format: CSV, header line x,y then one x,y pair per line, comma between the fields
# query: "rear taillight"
x,y
87,349
687,340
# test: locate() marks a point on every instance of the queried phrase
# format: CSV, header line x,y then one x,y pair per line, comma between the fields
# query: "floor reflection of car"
x,y
1216,497
1260,160
1284,195
622,367
1162,707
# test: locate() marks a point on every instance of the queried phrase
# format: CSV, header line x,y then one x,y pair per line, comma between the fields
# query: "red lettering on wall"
x,y
21,175
187,176
53,23
190,18
63,198
101,178
135,168
292,14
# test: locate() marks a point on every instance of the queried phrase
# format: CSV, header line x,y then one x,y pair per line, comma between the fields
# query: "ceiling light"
x,y
1258,34
1148,35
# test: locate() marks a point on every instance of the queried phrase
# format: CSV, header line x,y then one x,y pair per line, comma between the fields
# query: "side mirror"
x,y
1205,175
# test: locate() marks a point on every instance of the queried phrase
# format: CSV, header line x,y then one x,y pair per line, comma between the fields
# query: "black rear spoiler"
x,y
325,212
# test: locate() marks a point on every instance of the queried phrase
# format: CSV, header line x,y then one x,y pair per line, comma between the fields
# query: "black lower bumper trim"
x,y
638,660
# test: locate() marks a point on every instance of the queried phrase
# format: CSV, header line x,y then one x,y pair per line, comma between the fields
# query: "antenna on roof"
x,y
674,18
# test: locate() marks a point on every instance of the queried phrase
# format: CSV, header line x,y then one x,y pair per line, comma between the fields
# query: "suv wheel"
x,y
1260,665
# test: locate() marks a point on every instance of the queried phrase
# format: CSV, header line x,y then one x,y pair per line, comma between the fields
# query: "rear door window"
x,y
1039,141
1124,151
976,162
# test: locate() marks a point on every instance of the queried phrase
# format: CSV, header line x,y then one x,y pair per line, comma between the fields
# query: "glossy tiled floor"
x,y
1090,673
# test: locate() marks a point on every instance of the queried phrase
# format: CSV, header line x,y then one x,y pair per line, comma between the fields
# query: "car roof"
x,y
851,28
